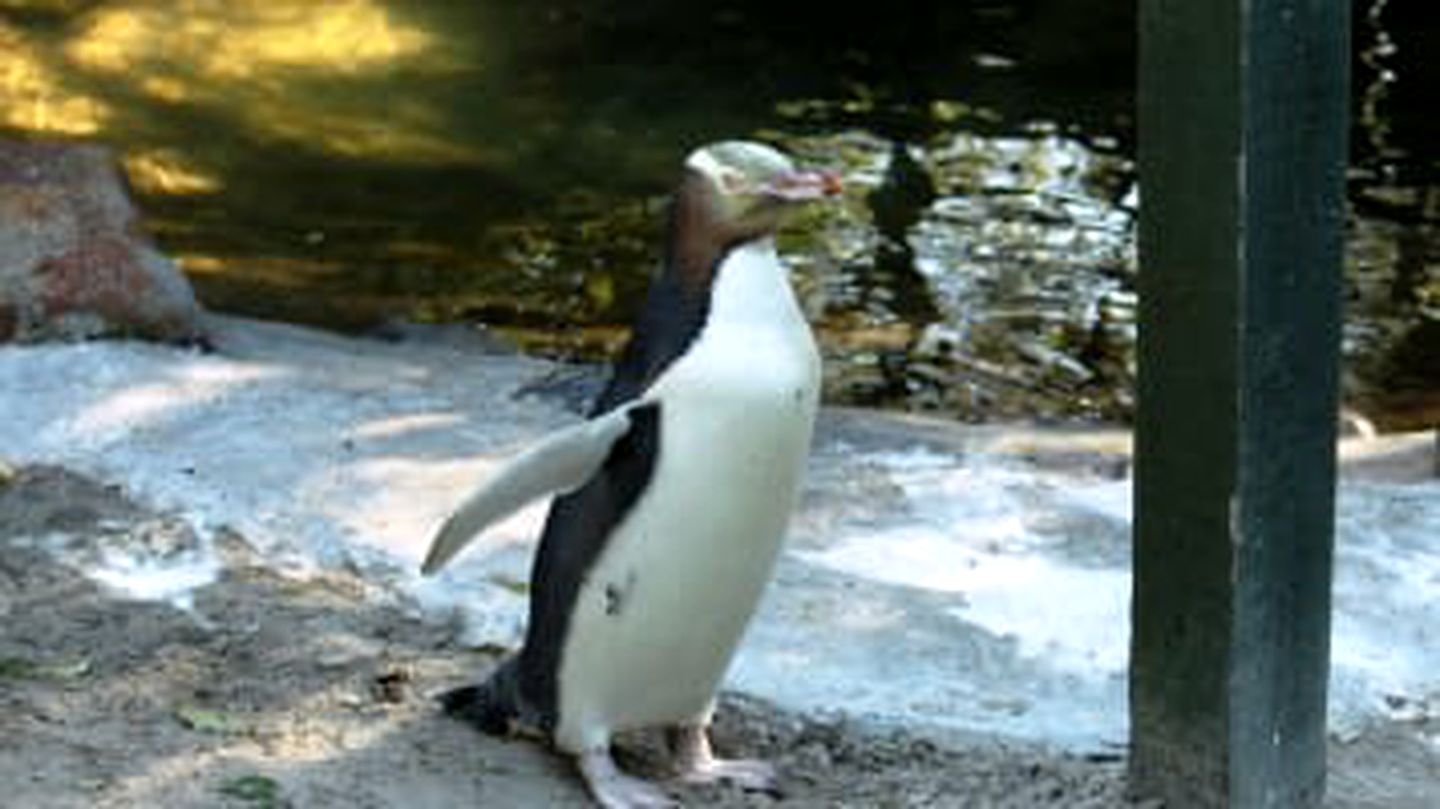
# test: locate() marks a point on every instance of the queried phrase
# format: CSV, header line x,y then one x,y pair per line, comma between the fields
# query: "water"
x,y
354,162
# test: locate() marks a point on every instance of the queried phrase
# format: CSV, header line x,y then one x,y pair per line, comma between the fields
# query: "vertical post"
x,y
1242,125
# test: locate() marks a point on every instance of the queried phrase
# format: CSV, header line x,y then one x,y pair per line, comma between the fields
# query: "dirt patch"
x,y
279,690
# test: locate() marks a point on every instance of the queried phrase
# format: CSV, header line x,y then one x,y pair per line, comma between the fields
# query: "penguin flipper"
x,y
559,464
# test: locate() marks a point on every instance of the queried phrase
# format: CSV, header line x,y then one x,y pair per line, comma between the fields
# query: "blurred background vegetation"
x,y
354,163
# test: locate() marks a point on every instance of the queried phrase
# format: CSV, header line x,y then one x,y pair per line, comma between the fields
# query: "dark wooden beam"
x,y
1242,142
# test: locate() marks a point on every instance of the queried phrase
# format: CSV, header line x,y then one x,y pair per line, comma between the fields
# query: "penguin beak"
x,y
805,186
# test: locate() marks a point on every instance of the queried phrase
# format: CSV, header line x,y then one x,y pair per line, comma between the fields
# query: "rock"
x,y
74,263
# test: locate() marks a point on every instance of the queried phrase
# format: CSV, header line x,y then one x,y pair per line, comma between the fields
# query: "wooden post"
x,y
1242,136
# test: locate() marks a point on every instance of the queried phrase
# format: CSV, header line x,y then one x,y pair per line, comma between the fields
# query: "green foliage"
x,y
259,791
20,668
202,720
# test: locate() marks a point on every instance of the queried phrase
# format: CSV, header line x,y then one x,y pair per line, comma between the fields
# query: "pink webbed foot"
x,y
613,789
696,763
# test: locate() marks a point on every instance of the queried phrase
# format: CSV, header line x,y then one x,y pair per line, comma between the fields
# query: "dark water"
x,y
352,162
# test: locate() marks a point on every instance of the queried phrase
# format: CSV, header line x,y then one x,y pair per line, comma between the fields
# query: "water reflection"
x,y
1392,330
245,40
352,161
1375,56
1025,245
35,98
278,69
167,171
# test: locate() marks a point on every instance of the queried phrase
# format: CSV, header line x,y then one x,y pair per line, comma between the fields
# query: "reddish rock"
x,y
74,262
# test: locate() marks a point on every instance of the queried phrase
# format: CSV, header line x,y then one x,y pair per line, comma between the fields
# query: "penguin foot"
x,y
613,789
751,775
492,706
697,763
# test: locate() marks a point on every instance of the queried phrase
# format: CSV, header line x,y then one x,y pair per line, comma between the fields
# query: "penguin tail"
x,y
493,705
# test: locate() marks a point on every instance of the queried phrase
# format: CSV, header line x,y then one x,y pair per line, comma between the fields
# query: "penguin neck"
x,y
696,242
751,287
712,277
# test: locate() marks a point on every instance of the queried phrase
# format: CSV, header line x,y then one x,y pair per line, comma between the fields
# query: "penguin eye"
x,y
731,181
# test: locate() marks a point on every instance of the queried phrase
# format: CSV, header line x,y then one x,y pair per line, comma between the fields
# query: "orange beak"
x,y
800,186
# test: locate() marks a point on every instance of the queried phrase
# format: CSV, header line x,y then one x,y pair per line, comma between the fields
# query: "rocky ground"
x,y
284,690
316,691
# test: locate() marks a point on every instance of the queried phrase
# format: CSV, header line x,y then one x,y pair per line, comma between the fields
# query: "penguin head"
x,y
751,186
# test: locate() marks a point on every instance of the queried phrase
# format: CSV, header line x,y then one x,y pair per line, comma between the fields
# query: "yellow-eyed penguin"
x,y
675,493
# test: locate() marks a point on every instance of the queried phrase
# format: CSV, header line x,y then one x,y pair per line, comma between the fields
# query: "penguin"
x,y
671,499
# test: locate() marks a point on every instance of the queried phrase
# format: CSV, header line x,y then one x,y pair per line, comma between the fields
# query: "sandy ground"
x,y
282,690
316,692
208,595
974,578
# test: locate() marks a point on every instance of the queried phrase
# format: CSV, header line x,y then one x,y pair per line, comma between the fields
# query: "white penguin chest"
x,y
660,614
